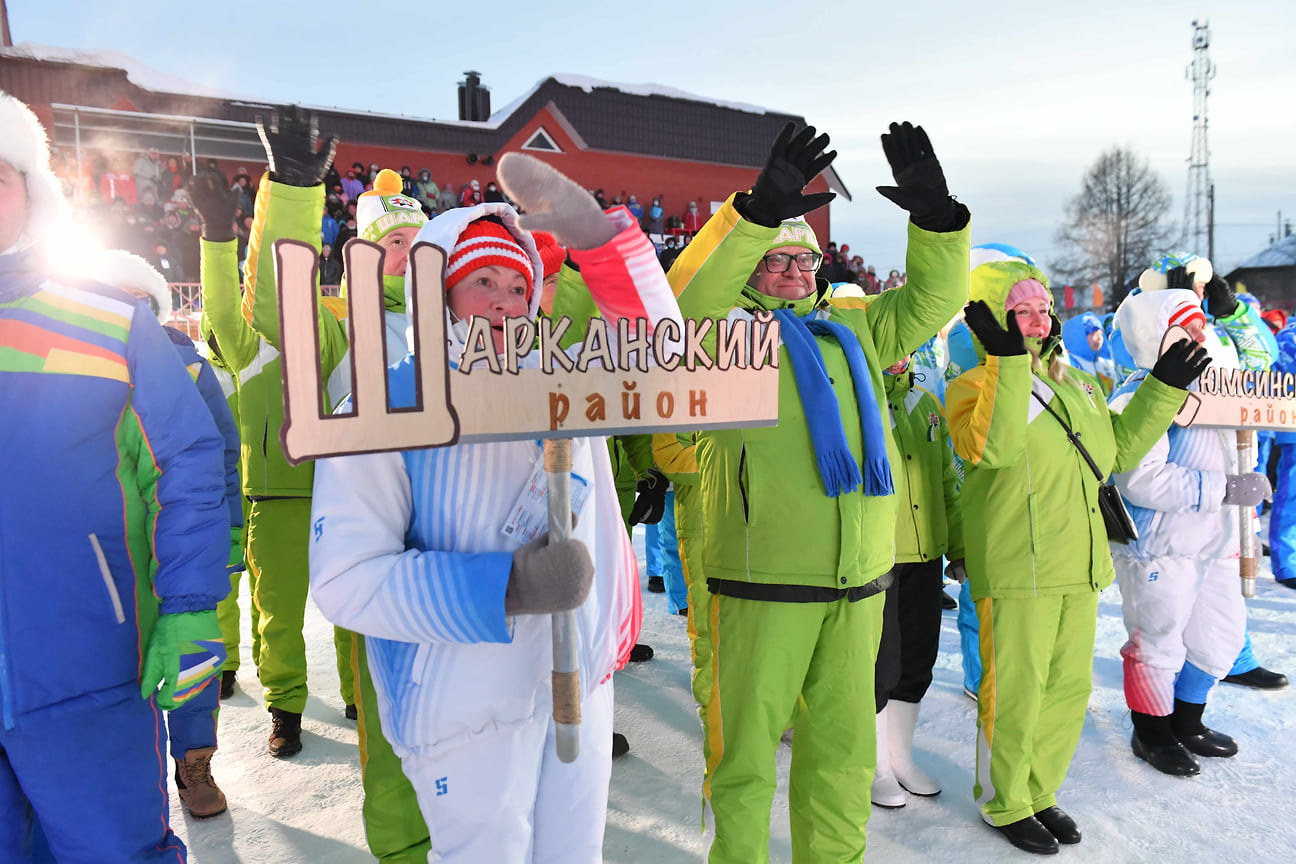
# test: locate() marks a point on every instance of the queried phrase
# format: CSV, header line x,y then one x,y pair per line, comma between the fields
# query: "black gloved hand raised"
x,y
793,161
1181,364
290,148
997,341
920,182
1220,299
216,206
1179,278
650,500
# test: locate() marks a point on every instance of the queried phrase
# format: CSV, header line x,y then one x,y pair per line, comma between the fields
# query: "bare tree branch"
x,y
1115,225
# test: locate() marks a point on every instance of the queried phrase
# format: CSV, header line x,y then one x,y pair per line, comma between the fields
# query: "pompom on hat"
x,y
485,243
25,146
551,254
384,208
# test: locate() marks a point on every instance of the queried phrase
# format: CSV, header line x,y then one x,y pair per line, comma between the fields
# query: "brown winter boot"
x,y
198,790
285,736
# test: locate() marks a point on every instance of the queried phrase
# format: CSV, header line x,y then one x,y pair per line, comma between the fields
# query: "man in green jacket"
x,y
279,493
800,518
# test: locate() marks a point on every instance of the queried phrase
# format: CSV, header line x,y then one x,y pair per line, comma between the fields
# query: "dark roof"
x,y
1280,254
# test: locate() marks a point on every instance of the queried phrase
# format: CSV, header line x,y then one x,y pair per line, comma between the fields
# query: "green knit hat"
x,y
796,232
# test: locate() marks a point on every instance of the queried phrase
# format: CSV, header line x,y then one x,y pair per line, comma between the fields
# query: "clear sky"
x,y
1018,97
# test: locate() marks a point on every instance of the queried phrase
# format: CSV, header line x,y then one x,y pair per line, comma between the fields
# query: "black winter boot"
x,y
1186,723
1258,678
1155,743
1029,835
228,677
285,737
1059,824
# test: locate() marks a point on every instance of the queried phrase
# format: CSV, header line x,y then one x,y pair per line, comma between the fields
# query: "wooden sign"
x,y
616,381
1237,398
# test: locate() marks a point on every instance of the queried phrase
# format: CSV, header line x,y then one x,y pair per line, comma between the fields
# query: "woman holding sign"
x,y
436,556
1036,544
1179,592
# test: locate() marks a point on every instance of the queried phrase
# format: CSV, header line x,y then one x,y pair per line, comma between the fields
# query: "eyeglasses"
x,y
779,262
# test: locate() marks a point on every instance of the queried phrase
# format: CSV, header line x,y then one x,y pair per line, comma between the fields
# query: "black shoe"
x,y
683,611
1287,583
1030,835
640,653
1059,824
1259,678
285,737
1264,550
227,683
1167,758
656,585
350,712
1186,723
620,746
948,602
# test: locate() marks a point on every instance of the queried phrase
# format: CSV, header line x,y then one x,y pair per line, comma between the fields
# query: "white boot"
x,y
886,792
900,732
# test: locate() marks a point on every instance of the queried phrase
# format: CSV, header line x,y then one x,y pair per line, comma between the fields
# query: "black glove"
x,y
650,499
1181,364
1220,299
1180,278
996,340
920,183
216,205
792,163
290,148
1053,339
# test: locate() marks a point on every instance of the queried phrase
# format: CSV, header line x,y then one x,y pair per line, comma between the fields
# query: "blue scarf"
x,y
837,466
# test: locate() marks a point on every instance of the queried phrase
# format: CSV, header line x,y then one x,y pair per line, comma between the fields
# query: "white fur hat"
x,y
23,145
132,273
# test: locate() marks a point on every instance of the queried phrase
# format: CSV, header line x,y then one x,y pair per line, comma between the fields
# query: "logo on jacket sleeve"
x,y
318,527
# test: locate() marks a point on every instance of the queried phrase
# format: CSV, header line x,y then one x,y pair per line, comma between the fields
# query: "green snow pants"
x,y
1036,676
228,614
763,654
278,531
394,826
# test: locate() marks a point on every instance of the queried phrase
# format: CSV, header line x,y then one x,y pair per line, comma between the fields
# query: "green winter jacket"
x,y
248,333
767,517
929,521
1031,521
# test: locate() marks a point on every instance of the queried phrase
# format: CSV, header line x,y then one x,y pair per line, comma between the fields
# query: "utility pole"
x,y
1210,223
1199,200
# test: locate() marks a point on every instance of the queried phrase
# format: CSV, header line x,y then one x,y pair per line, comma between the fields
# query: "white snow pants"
x,y
1177,609
505,798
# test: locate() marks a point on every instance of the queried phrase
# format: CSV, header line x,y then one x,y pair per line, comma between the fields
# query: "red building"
x,y
644,140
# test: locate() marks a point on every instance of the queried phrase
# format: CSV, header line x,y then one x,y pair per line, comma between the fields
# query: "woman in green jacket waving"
x,y
1037,549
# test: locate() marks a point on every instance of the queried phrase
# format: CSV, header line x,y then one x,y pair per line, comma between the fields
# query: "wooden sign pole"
x,y
1248,553
566,668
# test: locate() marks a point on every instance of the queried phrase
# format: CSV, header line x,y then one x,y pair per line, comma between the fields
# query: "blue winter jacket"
x,y
111,506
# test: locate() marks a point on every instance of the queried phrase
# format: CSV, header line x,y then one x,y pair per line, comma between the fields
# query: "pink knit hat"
x,y
1026,289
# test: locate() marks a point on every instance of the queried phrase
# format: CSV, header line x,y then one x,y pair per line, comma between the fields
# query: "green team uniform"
x,y
1037,550
793,572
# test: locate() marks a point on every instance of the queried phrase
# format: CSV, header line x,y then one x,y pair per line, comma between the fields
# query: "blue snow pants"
x,y
193,724
668,557
97,781
969,639
1282,519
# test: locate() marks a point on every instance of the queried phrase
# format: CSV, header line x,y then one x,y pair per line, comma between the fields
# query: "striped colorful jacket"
x,y
111,505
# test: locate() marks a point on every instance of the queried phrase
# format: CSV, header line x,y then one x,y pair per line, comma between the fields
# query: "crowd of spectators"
x,y
140,203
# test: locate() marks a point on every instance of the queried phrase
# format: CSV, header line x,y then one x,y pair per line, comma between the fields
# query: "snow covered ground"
x,y
307,809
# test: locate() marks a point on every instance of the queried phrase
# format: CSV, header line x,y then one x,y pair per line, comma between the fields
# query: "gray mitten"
x,y
548,578
554,203
1247,490
956,570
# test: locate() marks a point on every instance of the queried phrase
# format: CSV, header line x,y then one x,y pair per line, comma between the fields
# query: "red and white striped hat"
x,y
484,243
1186,312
